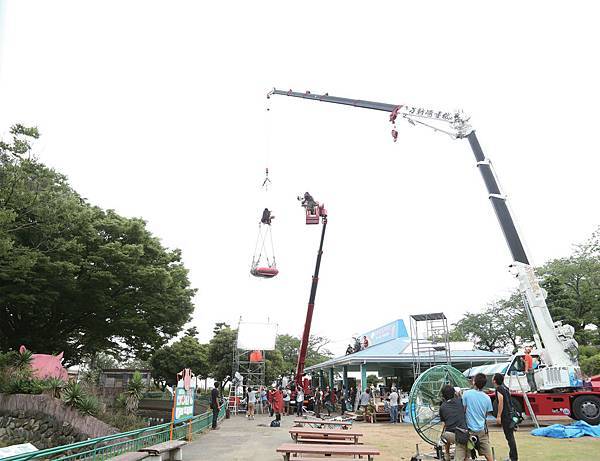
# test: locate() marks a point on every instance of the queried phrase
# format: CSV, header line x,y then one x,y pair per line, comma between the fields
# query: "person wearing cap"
x,y
528,361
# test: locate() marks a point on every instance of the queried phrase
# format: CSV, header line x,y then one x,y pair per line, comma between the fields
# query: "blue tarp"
x,y
571,431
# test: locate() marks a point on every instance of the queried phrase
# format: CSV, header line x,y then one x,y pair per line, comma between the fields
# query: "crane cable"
x,y
267,128
264,240
264,230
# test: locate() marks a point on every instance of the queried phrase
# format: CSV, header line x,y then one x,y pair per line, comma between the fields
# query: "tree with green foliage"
x,y
274,366
589,360
187,352
372,380
74,277
573,287
289,346
220,351
573,297
94,366
503,324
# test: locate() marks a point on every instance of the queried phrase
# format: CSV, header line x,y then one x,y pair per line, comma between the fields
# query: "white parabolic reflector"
x,y
257,336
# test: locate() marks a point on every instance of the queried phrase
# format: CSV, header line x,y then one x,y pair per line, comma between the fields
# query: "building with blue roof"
x,y
390,356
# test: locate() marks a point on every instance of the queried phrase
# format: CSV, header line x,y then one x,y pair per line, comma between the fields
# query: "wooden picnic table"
x,y
289,449
324,423
303,434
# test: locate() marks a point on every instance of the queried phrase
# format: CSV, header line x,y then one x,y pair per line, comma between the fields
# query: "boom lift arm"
x,y
314,212
557,340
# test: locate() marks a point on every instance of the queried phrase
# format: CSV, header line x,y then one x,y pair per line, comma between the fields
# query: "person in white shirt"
x,y
251,403
394,406
299,400
286,402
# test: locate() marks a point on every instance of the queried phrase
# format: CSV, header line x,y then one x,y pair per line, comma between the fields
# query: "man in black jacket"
x,y
452,414
504,415
214,404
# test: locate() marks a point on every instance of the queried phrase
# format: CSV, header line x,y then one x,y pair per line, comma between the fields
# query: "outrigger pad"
x,y
265,272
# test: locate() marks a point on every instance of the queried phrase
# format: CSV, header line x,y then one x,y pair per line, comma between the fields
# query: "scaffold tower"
x,y
430,341
248,363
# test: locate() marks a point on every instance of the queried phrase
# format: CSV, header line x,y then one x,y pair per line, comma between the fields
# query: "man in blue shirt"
x,y
477,405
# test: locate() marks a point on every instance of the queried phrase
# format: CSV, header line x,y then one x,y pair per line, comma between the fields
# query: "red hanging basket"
x,y
265,272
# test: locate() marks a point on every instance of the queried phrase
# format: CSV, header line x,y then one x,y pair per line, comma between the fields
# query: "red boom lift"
x,y
315,213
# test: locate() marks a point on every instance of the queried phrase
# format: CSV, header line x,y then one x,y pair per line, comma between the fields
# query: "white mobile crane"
x,y
558,376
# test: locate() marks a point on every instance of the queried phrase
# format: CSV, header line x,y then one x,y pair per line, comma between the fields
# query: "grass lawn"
x,y
397,442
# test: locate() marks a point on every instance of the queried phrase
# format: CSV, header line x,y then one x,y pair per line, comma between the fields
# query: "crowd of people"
x,y
279,400
464,416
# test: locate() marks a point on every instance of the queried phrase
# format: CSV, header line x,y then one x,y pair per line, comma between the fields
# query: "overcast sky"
x,y
157,110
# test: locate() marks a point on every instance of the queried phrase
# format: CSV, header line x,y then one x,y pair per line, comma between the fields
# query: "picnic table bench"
x,y
309,434
331,424
170,450
289,449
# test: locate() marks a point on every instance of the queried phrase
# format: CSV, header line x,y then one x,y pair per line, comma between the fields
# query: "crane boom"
x,y
558,346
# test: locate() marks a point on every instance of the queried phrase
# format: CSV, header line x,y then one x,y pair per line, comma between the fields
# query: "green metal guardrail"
x,y
102,448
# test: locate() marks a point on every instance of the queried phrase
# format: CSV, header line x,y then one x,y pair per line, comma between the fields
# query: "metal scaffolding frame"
x,y
429,341
253,372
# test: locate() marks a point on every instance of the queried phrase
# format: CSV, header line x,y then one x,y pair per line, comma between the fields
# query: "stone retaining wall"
x,y
45,422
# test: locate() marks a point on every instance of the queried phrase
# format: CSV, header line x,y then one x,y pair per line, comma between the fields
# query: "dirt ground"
x,y
241,440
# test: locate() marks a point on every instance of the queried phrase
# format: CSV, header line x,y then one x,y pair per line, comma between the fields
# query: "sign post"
x,y
183,400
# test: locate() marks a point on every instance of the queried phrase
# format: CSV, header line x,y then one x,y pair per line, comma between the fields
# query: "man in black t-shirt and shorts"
x,y
504,415
452,414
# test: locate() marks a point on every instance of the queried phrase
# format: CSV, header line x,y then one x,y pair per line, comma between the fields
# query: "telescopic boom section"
x,y
309,311
456,123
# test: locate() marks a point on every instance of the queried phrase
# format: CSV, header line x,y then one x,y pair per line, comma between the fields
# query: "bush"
x,y
121,401
17,385
73,394
54,386
590,365
122,421
89,405
15,373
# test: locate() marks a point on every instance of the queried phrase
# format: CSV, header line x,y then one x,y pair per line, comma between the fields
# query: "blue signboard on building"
x,y
392,330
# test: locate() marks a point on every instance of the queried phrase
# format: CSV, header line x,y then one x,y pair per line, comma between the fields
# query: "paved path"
x,y
239,439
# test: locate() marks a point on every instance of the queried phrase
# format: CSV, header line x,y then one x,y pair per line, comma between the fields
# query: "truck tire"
x,y
587,408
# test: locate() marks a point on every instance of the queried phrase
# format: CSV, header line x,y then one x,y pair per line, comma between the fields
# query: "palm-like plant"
x,y
89,405
54,386
135,390
73,394
21,365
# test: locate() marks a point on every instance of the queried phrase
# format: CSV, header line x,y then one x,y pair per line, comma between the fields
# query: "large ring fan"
x,y
426,397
